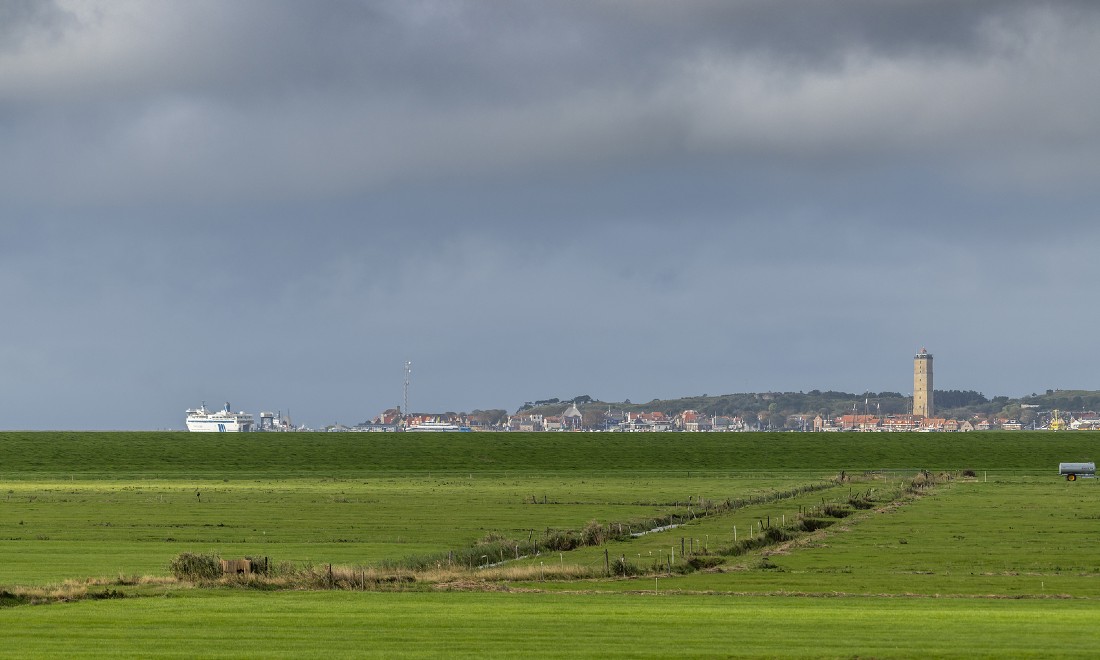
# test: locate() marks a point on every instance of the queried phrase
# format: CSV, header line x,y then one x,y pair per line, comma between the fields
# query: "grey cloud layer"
x,y
682,197
241,100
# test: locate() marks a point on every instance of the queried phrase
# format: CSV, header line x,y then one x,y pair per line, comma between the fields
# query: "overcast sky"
x,y
277,204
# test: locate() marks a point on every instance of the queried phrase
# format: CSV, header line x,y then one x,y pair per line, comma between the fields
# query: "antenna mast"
x,y
408,372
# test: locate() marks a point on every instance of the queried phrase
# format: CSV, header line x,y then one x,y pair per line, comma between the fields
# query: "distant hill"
x,y
775,409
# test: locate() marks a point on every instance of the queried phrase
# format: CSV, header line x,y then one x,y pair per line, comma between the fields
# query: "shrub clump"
x,y
561,540
625,568
701,563
836,511
924,479
594,533
193,566
814,524
766,564
8,599
777,535
106,594
860,503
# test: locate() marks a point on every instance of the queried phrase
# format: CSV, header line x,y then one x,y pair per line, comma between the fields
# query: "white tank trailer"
x,y
1075,471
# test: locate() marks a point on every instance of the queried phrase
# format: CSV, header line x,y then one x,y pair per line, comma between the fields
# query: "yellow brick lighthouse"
x,y
922,384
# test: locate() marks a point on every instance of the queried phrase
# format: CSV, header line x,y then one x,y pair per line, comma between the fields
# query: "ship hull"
x,y
218,425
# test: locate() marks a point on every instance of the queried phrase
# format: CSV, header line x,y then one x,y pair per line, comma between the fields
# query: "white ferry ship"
x,y
225,421
436,426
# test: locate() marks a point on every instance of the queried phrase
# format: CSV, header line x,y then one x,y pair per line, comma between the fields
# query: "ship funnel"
x,y
226,406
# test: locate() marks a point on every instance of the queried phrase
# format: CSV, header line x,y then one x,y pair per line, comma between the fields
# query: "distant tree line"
x,y
492,417
957,398
577,400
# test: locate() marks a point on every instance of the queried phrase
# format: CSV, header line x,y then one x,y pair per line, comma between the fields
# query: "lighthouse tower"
x,y
922,384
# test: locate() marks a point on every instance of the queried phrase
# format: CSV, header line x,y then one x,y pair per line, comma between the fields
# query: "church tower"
x,y
922,384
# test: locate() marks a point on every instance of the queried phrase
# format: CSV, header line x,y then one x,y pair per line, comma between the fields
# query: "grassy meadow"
x,y
52,530
507,625
109,455
1003,561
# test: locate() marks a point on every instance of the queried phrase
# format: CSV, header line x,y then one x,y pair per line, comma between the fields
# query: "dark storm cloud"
x,y
626,199
22,18
250,101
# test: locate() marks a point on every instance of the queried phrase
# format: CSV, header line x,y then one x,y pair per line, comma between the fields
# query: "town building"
x,y
572,419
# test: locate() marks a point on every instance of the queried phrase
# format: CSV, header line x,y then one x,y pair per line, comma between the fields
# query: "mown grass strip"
x,y
164,454
346,624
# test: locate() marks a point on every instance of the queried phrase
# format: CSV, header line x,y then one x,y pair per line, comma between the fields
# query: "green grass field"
x,y
51,530
346,624
1007,563
108,455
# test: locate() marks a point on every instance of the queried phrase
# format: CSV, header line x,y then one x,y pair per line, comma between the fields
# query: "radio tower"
x,y
408,373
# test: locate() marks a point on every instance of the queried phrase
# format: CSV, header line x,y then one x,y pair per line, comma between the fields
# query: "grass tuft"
x,y
195,567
